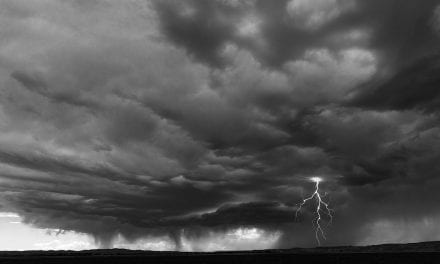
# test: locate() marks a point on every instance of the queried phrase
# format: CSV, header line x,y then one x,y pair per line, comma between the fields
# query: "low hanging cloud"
x,y
193,120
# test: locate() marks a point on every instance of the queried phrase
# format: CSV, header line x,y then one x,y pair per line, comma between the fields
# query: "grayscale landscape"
x,y
216,131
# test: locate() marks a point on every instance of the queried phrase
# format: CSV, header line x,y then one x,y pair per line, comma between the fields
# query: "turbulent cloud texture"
x,y
192,119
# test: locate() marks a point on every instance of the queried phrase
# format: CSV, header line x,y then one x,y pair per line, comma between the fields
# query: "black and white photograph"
x,y
220,131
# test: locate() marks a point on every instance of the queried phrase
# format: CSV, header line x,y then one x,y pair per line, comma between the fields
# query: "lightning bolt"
x,y
320,207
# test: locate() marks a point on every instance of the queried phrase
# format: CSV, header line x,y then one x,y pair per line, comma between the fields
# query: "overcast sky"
x,y
195,124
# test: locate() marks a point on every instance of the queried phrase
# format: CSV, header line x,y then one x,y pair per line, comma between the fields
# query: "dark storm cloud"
x,y
414,87
399,31
176,118
187,24
35,84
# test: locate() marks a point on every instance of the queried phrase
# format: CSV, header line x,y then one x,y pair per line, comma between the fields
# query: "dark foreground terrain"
x,y
428,252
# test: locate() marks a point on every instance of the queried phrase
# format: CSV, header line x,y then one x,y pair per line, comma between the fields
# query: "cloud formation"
x,y
189,119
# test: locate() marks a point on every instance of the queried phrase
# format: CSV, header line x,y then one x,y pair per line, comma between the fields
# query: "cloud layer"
x,y
194,118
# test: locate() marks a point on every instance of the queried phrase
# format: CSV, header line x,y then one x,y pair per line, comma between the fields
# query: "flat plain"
x,y
426,252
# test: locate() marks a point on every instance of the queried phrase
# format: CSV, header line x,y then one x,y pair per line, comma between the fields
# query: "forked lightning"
x,y
320,207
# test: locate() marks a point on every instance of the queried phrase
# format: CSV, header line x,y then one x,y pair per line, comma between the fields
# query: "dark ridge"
x,y
425,252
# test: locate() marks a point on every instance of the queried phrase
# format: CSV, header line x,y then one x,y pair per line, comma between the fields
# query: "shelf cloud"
x,y
193,118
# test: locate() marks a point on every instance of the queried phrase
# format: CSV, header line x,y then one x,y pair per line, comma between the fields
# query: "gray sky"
x,y
195,124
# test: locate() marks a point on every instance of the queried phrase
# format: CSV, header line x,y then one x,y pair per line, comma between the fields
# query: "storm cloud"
x,y
188,119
